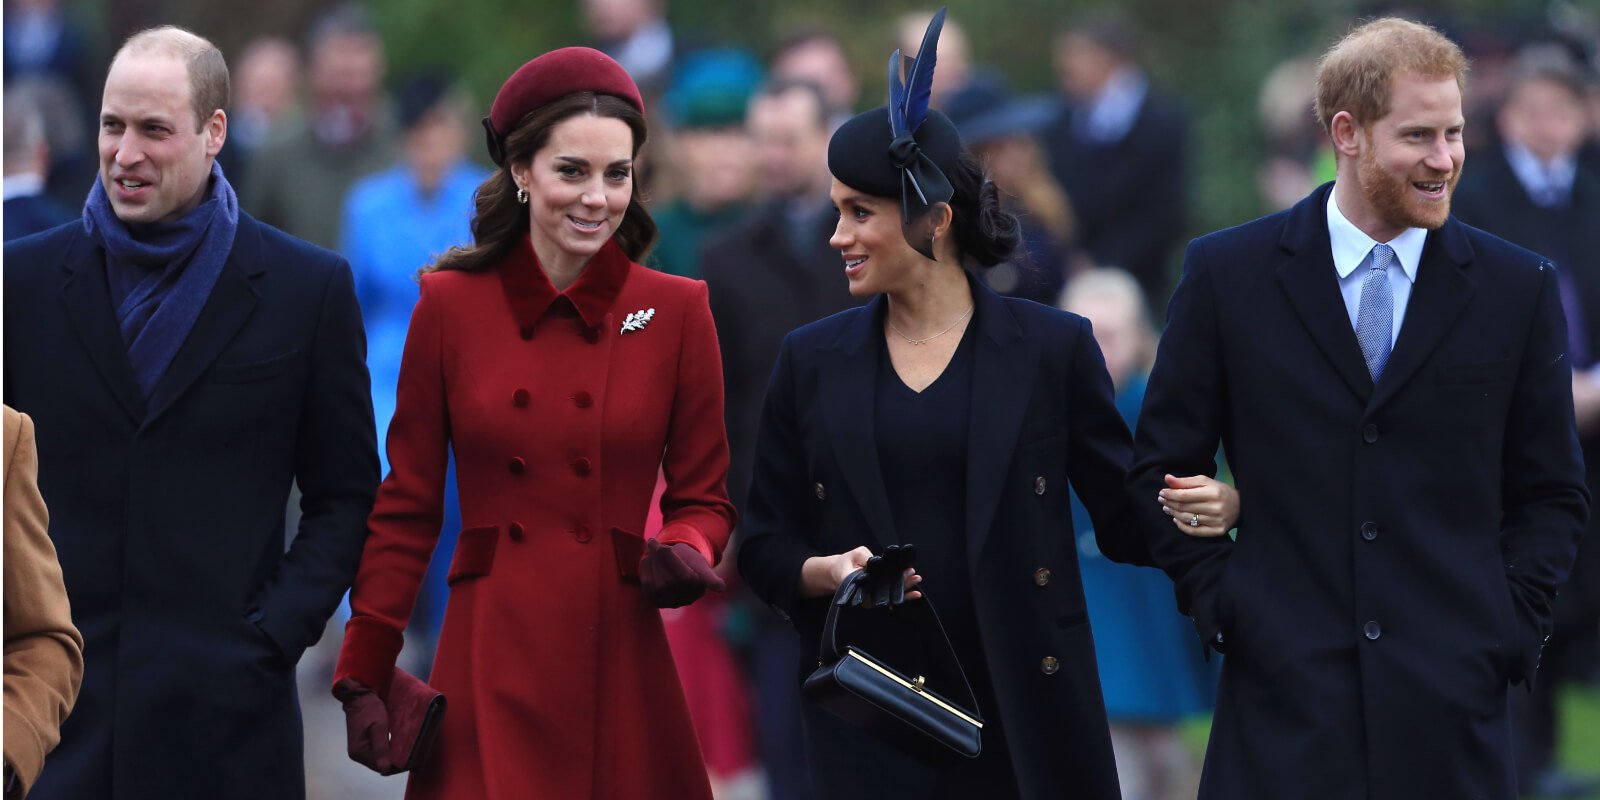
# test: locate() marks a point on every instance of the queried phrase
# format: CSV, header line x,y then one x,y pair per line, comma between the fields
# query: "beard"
x,y
1396,204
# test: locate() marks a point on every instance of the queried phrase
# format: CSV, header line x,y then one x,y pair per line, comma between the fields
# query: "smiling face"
x,y
877,258
154,164
1406,163
579,186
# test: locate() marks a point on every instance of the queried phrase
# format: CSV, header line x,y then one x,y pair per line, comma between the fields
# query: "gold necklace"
x,y
923,341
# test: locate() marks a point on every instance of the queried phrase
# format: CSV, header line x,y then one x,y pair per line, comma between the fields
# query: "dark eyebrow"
x,y
574,160
854,199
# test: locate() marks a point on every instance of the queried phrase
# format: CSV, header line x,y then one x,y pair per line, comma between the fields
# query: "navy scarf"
x,y
161,273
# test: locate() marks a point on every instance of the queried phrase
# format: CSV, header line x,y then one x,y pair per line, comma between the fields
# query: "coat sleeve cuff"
x,y
369,653
23,748
684,533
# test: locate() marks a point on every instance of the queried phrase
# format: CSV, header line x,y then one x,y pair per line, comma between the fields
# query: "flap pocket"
x,y
629,548
1478,372
252,371
474,553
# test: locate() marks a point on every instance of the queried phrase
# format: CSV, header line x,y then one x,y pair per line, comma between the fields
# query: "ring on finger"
x,y
1194,520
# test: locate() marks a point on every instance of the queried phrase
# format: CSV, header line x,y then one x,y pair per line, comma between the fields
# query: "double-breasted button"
x,y
1041,576
515,529
591,335
519,398
526,332
1369,530
1048,665
820,491
517,465
1372,630
581,532
1369,434
583,399
1039,485
581,467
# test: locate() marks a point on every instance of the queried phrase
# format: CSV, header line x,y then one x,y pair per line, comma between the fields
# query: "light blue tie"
x,y
1375,319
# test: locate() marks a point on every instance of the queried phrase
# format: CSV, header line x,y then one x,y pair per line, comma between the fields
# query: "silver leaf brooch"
x,y
637,320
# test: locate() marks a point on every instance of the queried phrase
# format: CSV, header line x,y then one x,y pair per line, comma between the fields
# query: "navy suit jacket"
x,y
1401,542
168,512
1042,416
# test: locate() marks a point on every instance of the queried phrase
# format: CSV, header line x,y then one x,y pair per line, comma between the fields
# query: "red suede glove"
x,y
675,574
366,722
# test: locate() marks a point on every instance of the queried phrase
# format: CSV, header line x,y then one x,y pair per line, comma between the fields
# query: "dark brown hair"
x,y
498,220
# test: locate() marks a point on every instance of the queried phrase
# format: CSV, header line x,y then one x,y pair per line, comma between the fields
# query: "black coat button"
x,y
1041,576
1369,434
1373,630
1369,530
820,491
1039,485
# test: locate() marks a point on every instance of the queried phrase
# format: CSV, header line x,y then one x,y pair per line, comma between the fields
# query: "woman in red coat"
x,y
563,375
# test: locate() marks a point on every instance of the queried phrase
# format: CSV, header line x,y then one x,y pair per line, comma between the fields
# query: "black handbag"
x,y
897,707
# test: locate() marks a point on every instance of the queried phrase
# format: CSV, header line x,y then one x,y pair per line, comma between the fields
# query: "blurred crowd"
x,y
328,143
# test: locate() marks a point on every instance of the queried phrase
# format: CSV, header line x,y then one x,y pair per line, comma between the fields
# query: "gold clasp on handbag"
x,y
917,683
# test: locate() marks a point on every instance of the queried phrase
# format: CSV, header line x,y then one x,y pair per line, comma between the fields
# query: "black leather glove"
x,y
885,581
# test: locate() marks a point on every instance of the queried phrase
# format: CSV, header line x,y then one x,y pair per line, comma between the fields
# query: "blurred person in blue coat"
x,y
395,222
1150,672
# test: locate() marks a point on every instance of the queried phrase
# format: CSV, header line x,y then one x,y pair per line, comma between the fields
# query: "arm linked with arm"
x,y
1178,432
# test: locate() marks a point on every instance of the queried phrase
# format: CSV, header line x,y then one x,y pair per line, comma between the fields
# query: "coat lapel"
x,y
847,384
1309,279
87,302
232,300
1004,368
1441,293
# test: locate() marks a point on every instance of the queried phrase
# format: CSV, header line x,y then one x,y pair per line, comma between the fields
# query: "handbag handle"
x,y
841,599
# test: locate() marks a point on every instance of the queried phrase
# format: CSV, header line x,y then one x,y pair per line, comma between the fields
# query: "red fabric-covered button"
x,y
517,465
519,398
527,332
515,529
581,532
583,399
591,335
582,467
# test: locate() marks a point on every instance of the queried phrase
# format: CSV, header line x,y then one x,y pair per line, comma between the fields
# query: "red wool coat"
x,y
557,673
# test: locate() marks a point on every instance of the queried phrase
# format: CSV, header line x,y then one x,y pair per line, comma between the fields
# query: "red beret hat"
x,y
555,74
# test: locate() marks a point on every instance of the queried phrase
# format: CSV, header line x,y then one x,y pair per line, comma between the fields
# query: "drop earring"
x,y
522,197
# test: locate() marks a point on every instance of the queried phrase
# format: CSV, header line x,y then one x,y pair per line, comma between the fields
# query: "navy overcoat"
x,y
168,513
1401,543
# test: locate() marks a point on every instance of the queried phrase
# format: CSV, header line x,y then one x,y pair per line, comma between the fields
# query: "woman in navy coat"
x,y
944,415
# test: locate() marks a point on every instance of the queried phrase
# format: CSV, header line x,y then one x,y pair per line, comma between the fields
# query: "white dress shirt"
x,y
1350,250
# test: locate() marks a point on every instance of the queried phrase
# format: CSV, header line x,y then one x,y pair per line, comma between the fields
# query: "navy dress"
x,y
922,451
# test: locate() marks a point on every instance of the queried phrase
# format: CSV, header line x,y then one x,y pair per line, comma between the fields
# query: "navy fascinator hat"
x,y
904,149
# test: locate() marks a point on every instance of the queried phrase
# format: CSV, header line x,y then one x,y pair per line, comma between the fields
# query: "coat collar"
x,y
1307,276
88,303
530,292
